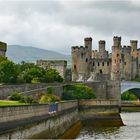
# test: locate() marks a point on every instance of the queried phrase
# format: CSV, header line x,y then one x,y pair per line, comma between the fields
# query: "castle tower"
x,y
127,63
88,46
74,58
3,49
116,56
134,54
133,44
102,52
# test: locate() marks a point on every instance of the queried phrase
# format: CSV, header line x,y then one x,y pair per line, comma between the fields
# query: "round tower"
x,y
133,44
116,57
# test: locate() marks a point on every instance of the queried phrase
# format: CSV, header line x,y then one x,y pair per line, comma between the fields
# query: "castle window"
x,y
74,67
102,63
86,59
101,71
107,63
98,64
117,55
93,64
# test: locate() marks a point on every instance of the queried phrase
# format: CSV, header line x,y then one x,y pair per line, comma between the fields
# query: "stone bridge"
x,y
126,85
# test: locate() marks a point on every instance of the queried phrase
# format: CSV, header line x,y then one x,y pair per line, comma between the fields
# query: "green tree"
x,y
52,76
8,72
77,91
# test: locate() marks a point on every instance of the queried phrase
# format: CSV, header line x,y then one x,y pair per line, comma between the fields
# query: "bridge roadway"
x,y
126,85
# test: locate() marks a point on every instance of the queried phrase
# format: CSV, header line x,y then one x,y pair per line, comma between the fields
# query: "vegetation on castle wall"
x,y
26,73
77,91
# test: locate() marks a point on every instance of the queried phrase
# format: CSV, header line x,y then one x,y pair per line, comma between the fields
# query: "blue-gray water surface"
x,y
131,130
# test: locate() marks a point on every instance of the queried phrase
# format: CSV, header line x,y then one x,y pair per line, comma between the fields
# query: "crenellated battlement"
x,y
87,39
101,42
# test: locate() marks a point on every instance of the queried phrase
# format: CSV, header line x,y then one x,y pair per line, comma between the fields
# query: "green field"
x,y
8,103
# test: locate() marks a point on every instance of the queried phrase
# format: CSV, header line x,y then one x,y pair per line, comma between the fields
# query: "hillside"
x,y
18,53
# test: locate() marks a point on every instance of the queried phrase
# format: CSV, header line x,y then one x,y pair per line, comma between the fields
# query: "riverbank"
x,y
130,106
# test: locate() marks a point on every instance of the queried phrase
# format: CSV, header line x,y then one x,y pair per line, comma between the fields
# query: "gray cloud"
x,y
59,24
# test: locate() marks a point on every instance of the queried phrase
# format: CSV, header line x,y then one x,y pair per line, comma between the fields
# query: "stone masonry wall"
x,y
33,124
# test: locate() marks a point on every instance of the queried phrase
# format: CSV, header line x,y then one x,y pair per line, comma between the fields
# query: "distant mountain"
x,y
18,53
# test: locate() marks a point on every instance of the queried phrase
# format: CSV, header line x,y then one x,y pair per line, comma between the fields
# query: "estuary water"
x,y
131,129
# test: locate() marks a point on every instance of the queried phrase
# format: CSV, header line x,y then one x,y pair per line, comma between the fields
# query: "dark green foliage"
x,y
26,73
128,96
135,91
8,72
77,91
52,76
15,96
49,90
21,98
27,99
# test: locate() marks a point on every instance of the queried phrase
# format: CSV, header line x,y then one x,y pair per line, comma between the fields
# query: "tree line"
x,y
23,72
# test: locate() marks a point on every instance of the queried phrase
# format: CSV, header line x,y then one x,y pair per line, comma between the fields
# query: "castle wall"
x,y
59,65
95,54
102,66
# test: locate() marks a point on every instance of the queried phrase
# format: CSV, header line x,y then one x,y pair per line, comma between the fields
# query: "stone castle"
x,y
123,63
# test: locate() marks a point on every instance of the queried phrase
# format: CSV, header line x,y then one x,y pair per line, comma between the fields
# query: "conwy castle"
x,y
90,65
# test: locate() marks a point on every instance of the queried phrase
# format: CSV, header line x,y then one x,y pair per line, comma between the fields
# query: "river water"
x,y
131,130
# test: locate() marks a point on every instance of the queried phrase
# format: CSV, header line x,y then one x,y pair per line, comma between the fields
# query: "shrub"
x,y
77,91
49,90
48,98
15,96
27,99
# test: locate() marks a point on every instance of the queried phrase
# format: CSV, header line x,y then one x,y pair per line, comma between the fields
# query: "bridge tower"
x,y
116,57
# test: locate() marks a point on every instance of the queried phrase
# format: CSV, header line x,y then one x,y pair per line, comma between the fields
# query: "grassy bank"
x,y
8,103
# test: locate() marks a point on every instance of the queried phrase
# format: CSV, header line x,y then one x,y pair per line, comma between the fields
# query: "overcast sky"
x,y
59,24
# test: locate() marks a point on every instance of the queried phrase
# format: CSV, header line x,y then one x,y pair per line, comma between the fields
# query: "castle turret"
x,y
101,46
133,44
116,56
88,45
102,52
3,48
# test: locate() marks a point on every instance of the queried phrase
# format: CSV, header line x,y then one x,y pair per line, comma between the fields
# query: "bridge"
x,y
126,85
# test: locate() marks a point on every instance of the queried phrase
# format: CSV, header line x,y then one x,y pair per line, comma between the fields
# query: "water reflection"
x,y
129,131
